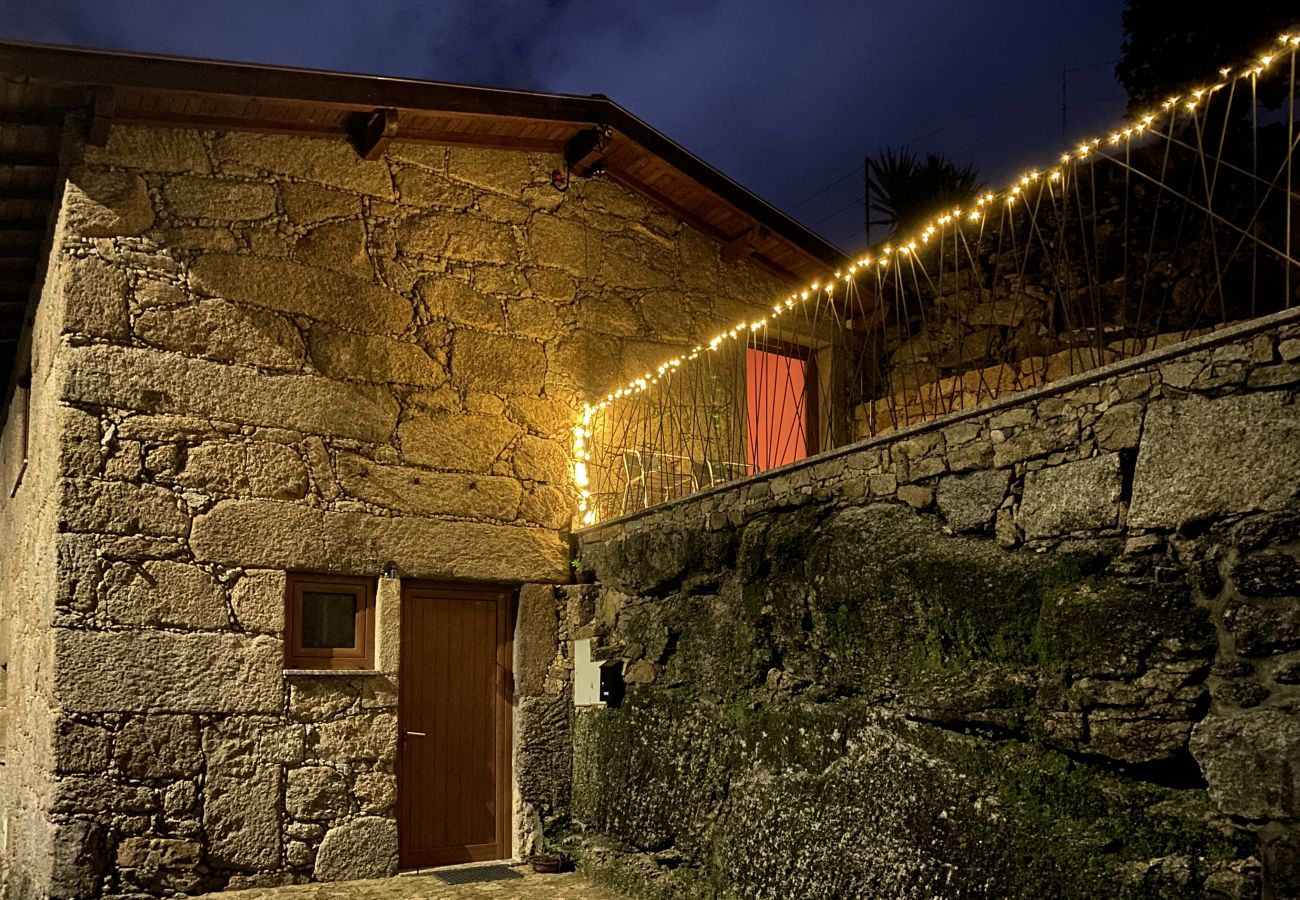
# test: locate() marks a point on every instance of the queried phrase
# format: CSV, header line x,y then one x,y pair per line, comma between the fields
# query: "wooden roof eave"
x,y
168,90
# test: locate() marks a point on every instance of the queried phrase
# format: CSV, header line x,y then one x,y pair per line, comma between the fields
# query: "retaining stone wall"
x,y
273,356
1047,648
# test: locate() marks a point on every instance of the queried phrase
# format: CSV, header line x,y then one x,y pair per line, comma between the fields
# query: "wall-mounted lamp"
x,y
389,570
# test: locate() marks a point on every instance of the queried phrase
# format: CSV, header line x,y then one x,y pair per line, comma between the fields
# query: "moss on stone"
x,y
1073,820
1098,624
717,781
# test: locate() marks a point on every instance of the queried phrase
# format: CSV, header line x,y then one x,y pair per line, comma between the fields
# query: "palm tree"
x,y
907,191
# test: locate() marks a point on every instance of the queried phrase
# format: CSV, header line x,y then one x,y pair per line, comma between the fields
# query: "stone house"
x,y
286,352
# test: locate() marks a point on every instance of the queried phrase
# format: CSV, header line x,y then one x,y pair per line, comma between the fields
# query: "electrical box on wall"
x,y
595,682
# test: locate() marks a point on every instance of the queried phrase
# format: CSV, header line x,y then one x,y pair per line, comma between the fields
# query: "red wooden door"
x,y
453,766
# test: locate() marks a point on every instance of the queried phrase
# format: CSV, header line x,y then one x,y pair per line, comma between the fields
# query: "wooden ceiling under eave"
x,y
31,132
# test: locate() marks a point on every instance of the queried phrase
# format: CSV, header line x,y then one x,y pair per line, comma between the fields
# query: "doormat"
x,y
472,874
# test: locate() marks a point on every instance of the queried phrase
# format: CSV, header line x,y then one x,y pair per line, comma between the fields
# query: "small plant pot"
x,y
584,576
545,864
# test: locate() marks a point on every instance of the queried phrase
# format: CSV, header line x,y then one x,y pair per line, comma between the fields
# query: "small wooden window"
x,y
330,621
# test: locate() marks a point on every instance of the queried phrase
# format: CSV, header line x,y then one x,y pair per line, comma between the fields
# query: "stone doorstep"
x,y
512,862
408,886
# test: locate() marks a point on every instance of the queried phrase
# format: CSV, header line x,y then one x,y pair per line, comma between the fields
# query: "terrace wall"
x,y
267,355
1044,648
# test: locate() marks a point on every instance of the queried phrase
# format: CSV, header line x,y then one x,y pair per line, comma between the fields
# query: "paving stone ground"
x,y
570,886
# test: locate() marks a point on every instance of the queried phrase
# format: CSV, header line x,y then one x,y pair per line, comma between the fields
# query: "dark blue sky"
x,y
785,97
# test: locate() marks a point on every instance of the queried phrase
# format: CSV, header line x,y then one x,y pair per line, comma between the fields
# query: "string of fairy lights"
x,y
880,258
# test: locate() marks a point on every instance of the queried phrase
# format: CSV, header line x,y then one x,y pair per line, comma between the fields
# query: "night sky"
x,y
785,97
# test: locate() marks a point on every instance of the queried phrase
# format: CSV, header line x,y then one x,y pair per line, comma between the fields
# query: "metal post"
x,y
866,199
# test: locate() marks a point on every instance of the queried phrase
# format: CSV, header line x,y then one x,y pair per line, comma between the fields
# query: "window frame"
x,y
360,656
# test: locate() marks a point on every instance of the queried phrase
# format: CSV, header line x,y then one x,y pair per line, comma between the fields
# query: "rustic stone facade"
x,y
257,353
1045,648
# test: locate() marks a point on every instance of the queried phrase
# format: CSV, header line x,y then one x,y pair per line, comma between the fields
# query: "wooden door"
x,y
454,707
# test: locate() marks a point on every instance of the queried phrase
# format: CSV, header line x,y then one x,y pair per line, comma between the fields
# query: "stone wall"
x,y
1045,648
277,357
31,847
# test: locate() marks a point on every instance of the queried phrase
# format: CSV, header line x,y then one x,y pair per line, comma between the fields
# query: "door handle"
x,y
416,734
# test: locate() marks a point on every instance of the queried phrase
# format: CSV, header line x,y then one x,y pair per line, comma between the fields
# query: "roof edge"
x,y
65,64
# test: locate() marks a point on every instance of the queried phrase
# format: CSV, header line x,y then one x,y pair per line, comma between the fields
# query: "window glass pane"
x,y
329,620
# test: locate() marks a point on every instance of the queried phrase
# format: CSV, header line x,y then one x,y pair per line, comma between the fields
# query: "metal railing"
x,y
1174,224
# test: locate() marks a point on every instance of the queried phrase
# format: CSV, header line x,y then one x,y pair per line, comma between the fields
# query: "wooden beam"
x,y
40,118
743,244
45,195
73,65
373,132
100,120
16,264
28,160
13,238
585,151
312,129
23,223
